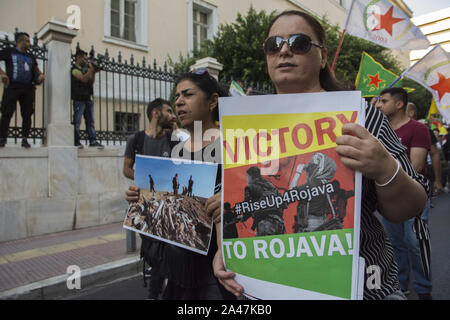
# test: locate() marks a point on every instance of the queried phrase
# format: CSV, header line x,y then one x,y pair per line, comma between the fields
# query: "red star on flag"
x,y
375,80
386,21
443,86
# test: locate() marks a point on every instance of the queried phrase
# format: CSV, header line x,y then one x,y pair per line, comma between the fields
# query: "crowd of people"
x,y
394,171
296,56
393,180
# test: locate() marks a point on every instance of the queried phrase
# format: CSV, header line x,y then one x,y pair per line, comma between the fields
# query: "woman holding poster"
x,y
297,62
189,274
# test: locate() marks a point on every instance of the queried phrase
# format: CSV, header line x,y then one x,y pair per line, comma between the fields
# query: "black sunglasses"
x,y
298,43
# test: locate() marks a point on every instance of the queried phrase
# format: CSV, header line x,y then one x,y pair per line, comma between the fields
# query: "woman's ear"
x,y
214,102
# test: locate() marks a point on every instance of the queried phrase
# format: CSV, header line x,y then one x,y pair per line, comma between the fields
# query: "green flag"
x,y
373,77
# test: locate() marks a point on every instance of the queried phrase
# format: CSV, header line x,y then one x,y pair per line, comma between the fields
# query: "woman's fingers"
x,y
132,194
213,206
355,130
360,150
226,278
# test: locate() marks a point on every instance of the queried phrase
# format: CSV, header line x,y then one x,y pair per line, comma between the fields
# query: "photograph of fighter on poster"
x,y
306,194
171,204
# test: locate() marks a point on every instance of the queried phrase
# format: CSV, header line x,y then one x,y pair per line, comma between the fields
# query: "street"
x,y
132,289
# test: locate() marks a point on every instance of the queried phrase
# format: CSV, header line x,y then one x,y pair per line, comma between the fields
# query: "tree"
x,y
238,46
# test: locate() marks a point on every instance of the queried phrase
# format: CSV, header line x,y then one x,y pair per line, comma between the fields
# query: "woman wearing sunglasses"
x,y
296,57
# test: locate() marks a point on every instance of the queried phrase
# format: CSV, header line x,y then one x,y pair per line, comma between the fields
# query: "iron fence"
x,y
123,89
37,125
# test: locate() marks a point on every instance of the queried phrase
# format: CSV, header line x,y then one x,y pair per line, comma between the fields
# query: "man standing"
x,y
22,72
82,81
175,184
190,186
152,183
151,142
416,138
433,166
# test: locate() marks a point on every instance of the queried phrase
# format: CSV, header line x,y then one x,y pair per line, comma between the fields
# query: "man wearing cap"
x,y
82,80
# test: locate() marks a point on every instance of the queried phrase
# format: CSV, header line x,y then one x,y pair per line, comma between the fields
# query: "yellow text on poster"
x,y
250,139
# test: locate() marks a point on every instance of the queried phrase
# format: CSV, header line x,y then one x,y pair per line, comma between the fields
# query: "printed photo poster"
x,y
171,205
291,209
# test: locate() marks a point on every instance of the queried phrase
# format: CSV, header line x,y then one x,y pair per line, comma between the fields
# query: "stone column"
x,y
62,155
213,66
58,39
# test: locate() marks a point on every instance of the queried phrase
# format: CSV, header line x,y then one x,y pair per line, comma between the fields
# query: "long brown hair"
x,y
326,77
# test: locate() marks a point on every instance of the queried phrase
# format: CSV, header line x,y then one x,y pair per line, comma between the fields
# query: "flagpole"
x,y
342,37
338,50
395,81
407,70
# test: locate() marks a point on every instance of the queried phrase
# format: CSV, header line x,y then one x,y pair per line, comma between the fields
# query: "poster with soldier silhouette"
x,y
291,209
171,204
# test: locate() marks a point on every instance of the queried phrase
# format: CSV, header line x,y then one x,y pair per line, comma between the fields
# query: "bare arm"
x,y
40,75
403,194
401,199
128,170
93,75
226,278
4,77
87,76
418,158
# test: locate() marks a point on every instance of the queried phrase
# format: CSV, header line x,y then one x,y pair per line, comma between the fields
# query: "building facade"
x,y
56,187
436,26
155,29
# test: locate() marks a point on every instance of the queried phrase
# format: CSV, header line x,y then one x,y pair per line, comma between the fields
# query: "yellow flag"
x,y
433,109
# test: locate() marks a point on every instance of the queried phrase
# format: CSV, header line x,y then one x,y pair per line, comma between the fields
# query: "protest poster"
x,y
291,210
171,205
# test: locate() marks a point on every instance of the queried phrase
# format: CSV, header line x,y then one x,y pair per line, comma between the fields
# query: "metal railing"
x,y
123,90
37,124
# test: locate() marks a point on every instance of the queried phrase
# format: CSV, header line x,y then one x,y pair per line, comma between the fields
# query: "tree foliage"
x,y
238,46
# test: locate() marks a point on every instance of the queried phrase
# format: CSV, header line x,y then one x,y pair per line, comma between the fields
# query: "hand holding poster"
x,y
291,209
171,205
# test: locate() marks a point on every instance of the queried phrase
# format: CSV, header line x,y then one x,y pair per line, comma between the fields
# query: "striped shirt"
x,y
375,248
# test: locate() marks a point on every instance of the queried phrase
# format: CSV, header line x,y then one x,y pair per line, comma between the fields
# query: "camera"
x,y
95,64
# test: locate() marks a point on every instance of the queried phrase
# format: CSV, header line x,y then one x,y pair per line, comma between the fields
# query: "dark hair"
x,y
80,52
208,84
326,77
155,104
399,94
20,35
254,172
